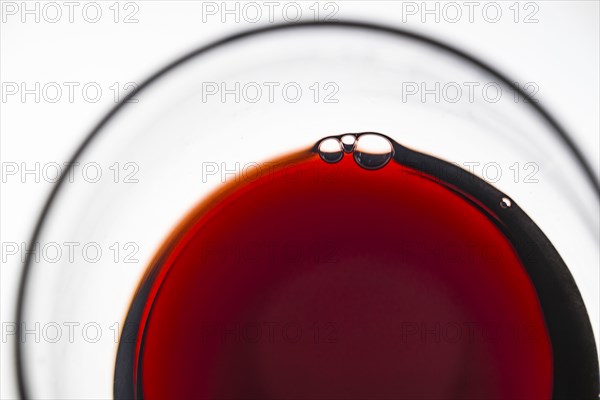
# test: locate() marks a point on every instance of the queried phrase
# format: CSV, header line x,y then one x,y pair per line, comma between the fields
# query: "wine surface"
x,y
341,274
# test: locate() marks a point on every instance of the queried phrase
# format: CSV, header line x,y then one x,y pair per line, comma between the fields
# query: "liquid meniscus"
x,y
342,274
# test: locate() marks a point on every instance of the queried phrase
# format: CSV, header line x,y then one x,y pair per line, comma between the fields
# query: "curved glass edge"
x,y
22,386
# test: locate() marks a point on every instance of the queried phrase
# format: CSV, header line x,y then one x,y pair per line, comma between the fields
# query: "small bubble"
x,y
372,151
331,150
505,202
348,142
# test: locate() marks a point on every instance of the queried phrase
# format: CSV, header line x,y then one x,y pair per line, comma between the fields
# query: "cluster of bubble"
x,y
370,150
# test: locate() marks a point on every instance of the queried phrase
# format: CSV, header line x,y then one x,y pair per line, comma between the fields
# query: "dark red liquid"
x,y
329,281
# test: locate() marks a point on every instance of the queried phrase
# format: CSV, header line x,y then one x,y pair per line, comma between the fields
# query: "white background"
x,y
559,52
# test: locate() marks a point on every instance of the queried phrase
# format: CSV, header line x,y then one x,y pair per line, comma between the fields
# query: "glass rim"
x,y
557,129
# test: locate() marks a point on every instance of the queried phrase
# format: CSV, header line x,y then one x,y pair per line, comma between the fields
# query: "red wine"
x,y
341,274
